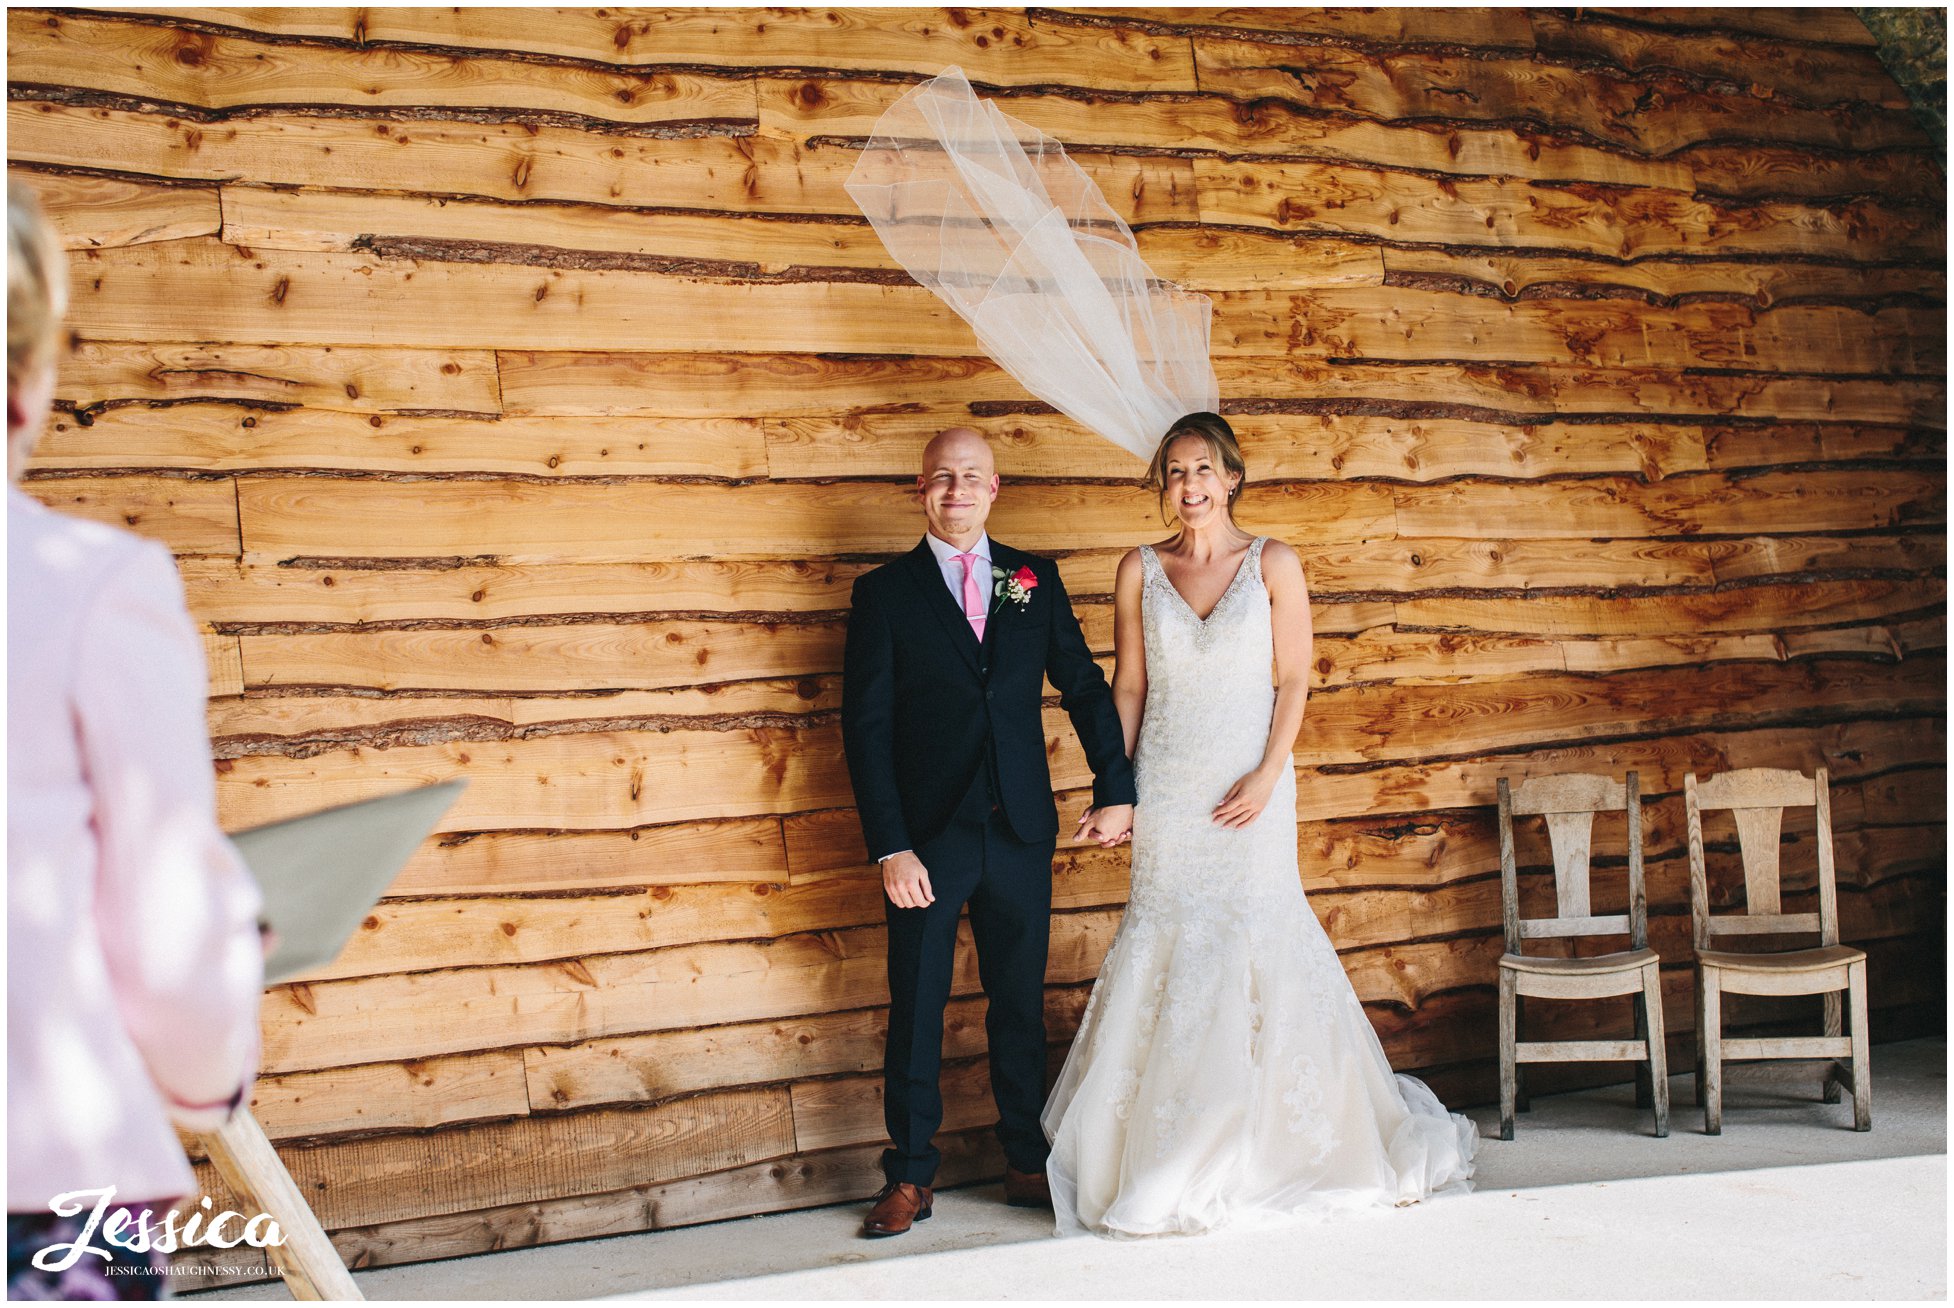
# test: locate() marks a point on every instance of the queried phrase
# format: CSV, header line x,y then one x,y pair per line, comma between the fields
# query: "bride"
x,y
1224,1072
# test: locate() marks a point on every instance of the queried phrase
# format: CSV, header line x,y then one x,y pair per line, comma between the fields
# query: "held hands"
x,y
1245,800
1108,826
906,881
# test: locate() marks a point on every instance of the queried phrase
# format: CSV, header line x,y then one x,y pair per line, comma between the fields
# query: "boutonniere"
x,y
1016,586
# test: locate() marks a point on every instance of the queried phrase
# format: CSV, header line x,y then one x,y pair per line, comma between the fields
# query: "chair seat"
x,y
1794,960
1628,960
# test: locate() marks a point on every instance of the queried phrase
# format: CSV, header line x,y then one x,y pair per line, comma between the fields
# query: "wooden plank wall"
x,y
521,395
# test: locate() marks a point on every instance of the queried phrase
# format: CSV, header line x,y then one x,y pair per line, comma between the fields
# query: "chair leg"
x,y
1862,1050
1509,1034
1658,1048
1521,1100
1644,1081
1712,1064
1699,1037
1834,1026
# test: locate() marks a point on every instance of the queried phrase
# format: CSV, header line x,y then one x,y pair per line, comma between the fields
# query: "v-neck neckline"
x,y
1225,590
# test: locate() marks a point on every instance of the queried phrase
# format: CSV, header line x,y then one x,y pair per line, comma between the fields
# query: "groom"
x,y
948,650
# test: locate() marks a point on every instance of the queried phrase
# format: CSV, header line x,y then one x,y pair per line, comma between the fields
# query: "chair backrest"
x,y
1757,799
1569,802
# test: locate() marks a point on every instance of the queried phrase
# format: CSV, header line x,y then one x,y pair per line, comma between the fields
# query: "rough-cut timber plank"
x,y
353,379
1848,749
329,517
392,1096
1499,29
260,590
827,107
191,516
358,298
1408,325
225,437
1772,608
1275,446
847,1110
456,1169
708,384
1617,224
508,862
1429,852
1759,447
304,722
511,161
1765,284
1812,74
802,1181
422,935
584,656
1817,25
560,782
370,1019
643,1068
999,46
1529,94
149,60
90,212
729,244
204,287
1682,506
1375,723
226,664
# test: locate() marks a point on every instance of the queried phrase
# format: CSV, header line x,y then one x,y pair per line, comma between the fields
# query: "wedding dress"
x,y
1225,1072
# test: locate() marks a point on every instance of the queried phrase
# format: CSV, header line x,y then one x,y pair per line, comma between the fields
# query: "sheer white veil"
x,y
991,215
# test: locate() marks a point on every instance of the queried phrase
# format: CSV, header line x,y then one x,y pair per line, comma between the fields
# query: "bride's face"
x,y
1197,487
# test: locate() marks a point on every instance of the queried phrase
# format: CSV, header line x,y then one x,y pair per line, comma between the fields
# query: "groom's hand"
x,y
1109,826
907,882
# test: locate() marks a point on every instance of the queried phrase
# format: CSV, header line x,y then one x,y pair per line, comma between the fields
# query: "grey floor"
x,y
1788,1203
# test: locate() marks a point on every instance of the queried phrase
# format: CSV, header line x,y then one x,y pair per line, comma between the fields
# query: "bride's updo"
x,y
1222,448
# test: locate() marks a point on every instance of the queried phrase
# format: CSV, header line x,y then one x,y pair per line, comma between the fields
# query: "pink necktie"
x,y
973,594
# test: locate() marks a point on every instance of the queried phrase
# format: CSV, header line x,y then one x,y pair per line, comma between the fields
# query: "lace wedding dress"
x,y
1224,1072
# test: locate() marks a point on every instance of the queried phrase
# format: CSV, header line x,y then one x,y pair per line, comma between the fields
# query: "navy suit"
x,y
946,750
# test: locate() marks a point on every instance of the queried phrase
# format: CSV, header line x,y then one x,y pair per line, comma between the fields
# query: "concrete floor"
x,y
1788,1203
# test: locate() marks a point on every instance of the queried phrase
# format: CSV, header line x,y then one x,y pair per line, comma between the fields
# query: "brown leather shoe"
x,y
1026,1189
899,1206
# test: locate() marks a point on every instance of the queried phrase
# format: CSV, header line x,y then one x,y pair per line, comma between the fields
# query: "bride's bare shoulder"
x,y
1282,566
1129,569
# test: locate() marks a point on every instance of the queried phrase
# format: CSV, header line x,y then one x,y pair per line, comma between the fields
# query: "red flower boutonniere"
x,y
1016,587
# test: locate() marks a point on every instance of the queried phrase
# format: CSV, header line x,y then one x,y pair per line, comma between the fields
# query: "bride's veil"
x,y
991,215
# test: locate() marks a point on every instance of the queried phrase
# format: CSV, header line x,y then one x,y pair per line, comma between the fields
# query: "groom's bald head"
x,y
958,446
957,485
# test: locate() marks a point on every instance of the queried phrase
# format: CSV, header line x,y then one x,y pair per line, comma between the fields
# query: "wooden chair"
x,y
1757,798
1569,803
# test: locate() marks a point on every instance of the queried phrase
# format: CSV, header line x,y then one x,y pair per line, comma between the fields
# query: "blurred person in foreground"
x,y
134,962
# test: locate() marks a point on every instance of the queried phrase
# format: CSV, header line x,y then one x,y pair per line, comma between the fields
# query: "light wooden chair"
x,y
1757,798
1569,803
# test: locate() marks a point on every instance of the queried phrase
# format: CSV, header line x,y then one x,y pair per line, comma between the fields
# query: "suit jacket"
x,y
925,705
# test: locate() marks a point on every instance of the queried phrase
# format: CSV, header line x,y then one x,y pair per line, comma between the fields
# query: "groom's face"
x,y
958,484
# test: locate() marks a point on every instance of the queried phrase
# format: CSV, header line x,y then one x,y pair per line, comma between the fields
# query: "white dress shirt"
x,y
952,566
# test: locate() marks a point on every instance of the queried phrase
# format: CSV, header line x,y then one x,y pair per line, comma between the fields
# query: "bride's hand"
x,y
1245,800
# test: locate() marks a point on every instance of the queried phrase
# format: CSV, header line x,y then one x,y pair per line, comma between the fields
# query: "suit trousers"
x,y
977,862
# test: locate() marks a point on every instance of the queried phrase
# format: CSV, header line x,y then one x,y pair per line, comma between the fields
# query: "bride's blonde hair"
x,y
1222,448
37,285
